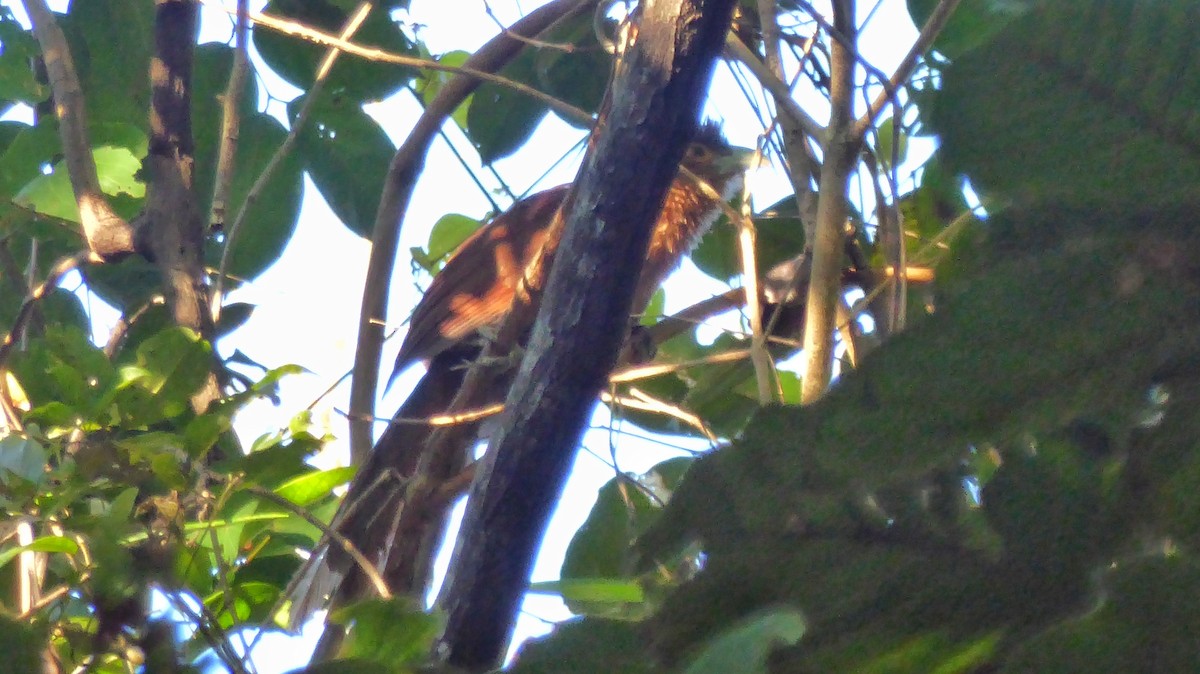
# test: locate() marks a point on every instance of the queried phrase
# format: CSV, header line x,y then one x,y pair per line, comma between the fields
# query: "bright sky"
x,y
308,303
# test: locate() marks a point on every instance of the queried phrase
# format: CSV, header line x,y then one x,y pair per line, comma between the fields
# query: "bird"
x,y
475,289
466,301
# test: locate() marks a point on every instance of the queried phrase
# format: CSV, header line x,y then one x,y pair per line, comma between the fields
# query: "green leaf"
x,y
1035,341
599,590
23,457
624,509
233,316
745,646
430,82
50,544
57,307
889,138
578,76
310,487
64,366
52,194
54,544
23,158
21,644
780,236
296,59
17,81
271,219
1099,107
1146,622
587,646
347,155
202,433
128,285
170,367
1051,514
210,78
392,632
448,233
654,310
115,81
498,135
972,24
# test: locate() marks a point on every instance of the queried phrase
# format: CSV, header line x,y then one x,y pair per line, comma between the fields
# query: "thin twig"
x,y
759,356
929,32
778,89
353,23
640,400
565,47
563,108
60,269
406,166
349,548
231,118
211,630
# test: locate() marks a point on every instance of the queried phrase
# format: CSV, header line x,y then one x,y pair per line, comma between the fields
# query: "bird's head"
x,y
712,159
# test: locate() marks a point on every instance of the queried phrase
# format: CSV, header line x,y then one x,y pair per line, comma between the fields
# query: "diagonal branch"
x,y
231,118
295,29
109,236
841,153
929,32
406,166
353,23
654,101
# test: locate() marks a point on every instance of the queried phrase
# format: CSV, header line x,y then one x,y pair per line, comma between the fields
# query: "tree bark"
x,y
576,338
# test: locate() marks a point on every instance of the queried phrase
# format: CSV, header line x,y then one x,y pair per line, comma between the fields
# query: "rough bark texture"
x,y
170,229
652,113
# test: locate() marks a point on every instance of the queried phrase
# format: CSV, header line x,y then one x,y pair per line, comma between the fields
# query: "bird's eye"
x,y
698,151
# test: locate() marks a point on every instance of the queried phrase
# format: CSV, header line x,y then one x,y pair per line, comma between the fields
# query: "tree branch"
x,y
406,165
170,230
841,154
230,121
381,56
353,23
108,235
576,338
929,32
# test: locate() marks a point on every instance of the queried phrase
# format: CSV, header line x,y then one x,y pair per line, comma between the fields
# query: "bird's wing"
x,y
475,289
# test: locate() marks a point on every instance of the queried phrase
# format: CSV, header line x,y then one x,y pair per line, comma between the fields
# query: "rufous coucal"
x,y
467,300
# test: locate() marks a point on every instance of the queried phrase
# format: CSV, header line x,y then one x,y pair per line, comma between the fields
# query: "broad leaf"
x,y
296,59
346,154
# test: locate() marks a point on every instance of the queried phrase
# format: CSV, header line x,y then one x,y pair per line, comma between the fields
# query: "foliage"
x,y
1009,485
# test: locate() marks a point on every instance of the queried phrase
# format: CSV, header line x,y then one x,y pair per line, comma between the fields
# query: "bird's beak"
x,y
739,160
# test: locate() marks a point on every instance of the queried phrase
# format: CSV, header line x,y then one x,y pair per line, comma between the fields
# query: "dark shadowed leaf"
x,y
22,457
973,23
586,646
501,119
17,81
780,236
21,644
578,75
744,647
392,632
346,154
296,59
116,83
271,219
1099,106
